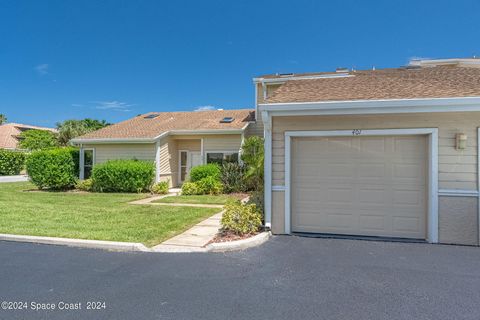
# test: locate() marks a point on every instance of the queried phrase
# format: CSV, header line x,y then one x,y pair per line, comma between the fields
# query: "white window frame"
x,y
432,133
82,161
179,178
229,152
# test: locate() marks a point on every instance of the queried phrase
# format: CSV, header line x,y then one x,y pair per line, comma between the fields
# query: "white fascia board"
x,y
169,133
311,77
106,141
461,104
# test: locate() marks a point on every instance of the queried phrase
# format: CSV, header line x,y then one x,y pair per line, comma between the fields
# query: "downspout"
x,y
267,129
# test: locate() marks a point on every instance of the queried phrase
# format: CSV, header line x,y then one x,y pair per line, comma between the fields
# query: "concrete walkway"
x,y
19,178
194,239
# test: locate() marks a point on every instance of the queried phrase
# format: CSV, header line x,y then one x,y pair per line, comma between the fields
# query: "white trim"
x,y
81,162
293,77
267,133
164,134
432,215
202,151
463,104
457,193
478,183
157,161
278,188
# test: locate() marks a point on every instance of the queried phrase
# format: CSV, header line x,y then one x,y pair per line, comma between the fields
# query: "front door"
x,y
188,160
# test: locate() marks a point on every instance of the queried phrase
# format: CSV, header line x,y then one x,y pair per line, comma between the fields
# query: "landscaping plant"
x,y
38,140
232,177
189,189
53,169
11,162
161,187
123,176
241,219
209,185
203,171
253,159
84,185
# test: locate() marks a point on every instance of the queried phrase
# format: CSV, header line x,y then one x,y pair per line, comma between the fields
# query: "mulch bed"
x,y
227,236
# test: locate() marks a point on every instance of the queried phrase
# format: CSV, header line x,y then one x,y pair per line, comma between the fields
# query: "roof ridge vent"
x,y
341,70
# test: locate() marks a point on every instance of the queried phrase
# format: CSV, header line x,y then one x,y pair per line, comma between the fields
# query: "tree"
x,y
38,140
253,158
3,118
70,129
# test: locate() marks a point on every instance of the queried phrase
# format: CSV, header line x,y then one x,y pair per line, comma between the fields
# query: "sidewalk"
x,y
194,239
19,178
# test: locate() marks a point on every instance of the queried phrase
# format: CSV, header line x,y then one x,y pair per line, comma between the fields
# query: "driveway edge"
x,y
239,244
82,243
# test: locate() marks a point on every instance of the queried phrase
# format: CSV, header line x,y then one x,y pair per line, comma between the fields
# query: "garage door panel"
x,y
360,185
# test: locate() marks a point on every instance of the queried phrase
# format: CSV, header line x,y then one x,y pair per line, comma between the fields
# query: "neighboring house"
x,y
383,153
175,141
10,134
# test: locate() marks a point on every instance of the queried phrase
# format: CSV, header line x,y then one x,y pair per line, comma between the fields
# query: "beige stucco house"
x,y
175,141
382,153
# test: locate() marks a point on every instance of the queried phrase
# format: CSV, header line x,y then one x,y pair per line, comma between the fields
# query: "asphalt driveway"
x,y
286,278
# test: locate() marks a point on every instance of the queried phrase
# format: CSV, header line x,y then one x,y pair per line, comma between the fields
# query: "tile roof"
x,y
10,131
141,127
401,83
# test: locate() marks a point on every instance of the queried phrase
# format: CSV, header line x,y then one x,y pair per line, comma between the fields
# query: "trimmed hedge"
x,y
11,162
54,168
203,171
123,176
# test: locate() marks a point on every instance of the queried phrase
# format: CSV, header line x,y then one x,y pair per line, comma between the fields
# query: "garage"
x,y
360,185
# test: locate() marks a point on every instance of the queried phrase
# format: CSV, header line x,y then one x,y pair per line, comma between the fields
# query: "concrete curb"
x,y
82,243
239,244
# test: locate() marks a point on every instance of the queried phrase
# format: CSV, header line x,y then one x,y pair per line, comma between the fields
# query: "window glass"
x,y
233,157
183,158
215,158
87,163
88,156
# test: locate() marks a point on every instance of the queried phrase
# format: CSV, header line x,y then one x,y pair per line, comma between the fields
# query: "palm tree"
x,y
3,118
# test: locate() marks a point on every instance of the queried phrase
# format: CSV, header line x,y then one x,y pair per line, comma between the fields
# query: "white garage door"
x,y
373,186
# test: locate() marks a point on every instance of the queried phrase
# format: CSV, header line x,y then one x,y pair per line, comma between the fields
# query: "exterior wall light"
x,y
461,141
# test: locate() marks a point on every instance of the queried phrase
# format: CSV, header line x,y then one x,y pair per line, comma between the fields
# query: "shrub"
x,y
203,171
189,188
53,168
161,187
38,140
123,176
209,185
85,185
257,198
241,218
11,162
232,177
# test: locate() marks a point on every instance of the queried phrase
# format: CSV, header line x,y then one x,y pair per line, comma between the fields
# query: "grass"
x,y
97,216
201,199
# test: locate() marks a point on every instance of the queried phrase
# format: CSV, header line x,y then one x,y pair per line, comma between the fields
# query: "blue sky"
x,y
115,59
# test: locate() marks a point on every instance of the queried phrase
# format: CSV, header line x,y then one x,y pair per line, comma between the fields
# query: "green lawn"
x,y
201,199
99,216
